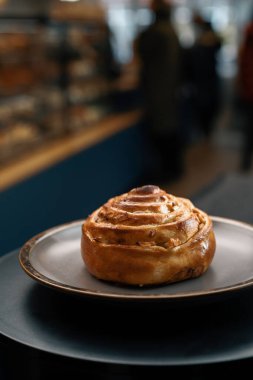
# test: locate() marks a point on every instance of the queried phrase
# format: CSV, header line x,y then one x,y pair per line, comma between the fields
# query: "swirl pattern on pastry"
x,y
147,237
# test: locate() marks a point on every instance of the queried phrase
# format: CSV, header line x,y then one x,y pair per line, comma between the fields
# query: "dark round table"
x,y
45,332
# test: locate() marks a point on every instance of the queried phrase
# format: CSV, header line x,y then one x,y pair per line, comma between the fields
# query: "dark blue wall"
x,y
71,189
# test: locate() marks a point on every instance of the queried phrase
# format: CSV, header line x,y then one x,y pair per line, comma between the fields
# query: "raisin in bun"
x,y
147,237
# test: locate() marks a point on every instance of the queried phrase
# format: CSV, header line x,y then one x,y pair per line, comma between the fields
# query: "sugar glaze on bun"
x,y
147,237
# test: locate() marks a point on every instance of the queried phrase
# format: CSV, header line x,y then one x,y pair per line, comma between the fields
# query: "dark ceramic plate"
x,y
54,259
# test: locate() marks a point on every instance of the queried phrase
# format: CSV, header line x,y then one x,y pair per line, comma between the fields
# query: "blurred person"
x,y
159,53
205,80
245,86
110,68
107,65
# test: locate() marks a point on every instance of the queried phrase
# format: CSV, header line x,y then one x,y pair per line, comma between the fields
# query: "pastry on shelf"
x,y
147,237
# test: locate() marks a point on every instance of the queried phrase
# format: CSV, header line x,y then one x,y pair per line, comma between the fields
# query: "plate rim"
x,y
25,263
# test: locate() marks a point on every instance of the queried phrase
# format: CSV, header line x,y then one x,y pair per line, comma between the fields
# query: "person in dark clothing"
x,y
204,75
103,46
245,83
159,53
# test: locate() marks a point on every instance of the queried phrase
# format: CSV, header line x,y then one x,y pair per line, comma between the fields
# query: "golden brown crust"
x,y
147,237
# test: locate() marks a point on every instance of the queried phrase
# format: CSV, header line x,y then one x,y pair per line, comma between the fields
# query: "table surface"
x,y
76,327
230,197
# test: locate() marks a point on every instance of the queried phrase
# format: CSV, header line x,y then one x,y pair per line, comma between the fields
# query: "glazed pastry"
x,y
147,237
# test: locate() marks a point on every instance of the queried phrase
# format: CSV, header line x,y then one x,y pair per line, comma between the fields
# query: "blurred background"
x,y
99,96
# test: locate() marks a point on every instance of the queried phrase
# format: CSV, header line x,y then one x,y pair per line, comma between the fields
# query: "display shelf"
x,y
54,71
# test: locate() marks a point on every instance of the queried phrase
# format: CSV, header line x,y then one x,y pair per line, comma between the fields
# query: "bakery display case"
x,y
66,125
55,79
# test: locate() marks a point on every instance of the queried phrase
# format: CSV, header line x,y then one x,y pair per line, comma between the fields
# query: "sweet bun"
x,y
147,237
